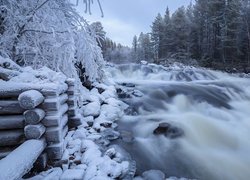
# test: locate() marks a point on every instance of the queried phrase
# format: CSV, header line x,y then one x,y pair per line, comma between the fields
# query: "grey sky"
x,y
125,18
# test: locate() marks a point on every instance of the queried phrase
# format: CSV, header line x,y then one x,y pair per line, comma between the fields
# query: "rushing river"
x,y
184,121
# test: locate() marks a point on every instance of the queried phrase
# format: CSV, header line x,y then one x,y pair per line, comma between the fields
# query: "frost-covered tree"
x,y
98,32
48,33
135,49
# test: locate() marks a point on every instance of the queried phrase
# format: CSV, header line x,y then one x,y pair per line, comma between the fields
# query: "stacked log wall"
x,y
75,119
38,112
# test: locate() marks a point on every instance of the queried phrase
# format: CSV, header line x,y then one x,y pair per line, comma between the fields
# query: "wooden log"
x,y
13,89
54,104
55,151
34,131
56,91
11,137
56,134
52,93
54,118
10,107
34,116
11,122
30,99
21,160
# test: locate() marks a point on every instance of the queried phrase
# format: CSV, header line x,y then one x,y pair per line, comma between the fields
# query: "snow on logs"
x,y
34,112
21,160
34,131
34,116
30,99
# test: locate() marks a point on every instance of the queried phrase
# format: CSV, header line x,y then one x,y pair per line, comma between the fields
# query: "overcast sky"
x,y
125,18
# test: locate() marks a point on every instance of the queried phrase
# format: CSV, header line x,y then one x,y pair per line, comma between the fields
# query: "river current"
x,y
185,121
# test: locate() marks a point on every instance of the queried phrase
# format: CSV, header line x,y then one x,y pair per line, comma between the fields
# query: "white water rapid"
x,y
184,121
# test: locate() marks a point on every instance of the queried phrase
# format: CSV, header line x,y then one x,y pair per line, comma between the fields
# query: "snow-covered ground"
x,y
193,108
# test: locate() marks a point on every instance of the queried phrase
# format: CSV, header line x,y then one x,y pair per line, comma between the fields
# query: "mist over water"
x,y
186,122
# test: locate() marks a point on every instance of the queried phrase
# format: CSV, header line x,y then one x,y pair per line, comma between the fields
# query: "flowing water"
x,y
184,121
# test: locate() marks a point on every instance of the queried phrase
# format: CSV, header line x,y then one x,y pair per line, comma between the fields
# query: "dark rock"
x,y
90,123
122,94
77,162
106,124
100,90
168,130
87,84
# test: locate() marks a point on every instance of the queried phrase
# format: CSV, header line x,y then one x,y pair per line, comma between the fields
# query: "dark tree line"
x,y
216,33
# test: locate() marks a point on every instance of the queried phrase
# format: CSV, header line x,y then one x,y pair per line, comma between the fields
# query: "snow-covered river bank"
x,y
186,122
149,122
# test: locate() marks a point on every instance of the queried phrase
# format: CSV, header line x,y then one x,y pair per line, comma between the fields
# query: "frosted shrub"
x,y
48,33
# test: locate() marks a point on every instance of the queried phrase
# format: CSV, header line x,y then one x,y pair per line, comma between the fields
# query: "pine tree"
x,y
167,35
157,37
180,33
230,29
135,49
141,48
244,34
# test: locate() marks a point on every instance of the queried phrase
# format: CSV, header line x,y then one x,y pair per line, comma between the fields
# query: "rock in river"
x,y
168,130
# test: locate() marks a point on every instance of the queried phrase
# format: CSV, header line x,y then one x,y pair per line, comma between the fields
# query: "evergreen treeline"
x,y
214,32
112,51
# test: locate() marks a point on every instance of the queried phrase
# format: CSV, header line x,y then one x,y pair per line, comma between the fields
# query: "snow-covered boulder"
x,y
92,109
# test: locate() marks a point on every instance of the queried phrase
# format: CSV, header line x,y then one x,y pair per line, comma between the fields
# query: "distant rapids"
x,y
187,122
